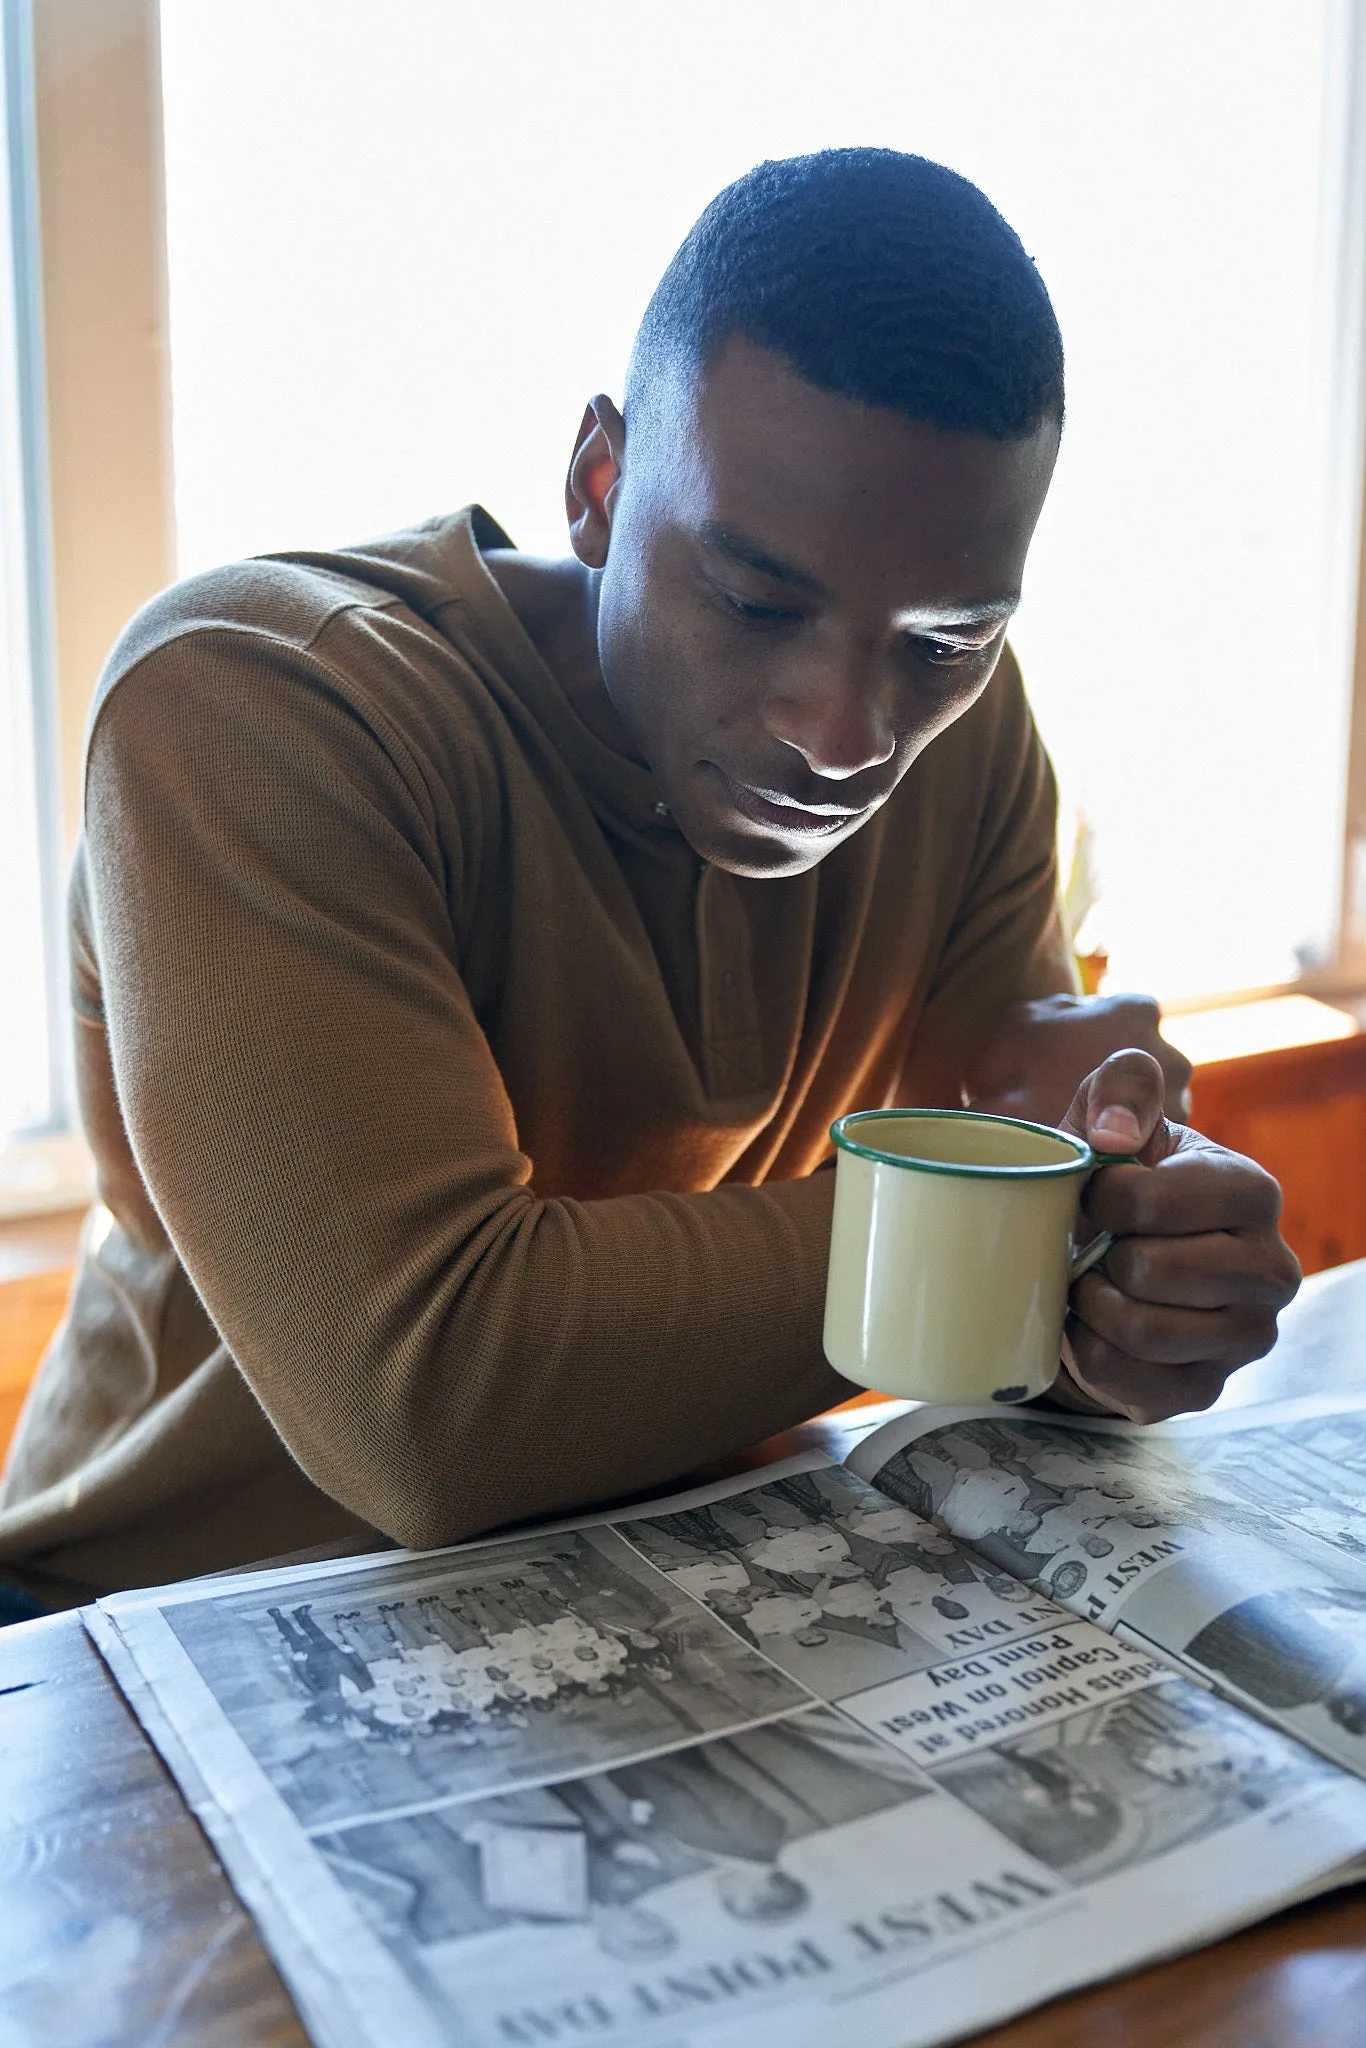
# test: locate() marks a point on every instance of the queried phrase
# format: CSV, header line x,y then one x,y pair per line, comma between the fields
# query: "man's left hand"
x,y
1193,1287
1039,1051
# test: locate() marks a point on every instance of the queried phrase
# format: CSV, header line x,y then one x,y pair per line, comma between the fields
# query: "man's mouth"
x,y
778,813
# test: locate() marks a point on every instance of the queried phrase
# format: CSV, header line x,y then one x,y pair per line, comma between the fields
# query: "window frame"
x,y
1345,281
83,81
26,406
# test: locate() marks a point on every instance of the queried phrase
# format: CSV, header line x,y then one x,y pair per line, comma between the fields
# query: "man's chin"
x,y
759,857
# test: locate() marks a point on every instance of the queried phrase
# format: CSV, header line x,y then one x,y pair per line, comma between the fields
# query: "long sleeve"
x,y
324,1131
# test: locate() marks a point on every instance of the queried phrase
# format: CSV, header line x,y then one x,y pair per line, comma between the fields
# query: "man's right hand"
x,y
1192,1288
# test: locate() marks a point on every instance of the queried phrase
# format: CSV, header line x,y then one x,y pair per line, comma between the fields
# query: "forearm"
x,y
559,1353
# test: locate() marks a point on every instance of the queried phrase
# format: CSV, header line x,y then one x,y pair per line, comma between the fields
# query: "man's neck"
x,y
556,603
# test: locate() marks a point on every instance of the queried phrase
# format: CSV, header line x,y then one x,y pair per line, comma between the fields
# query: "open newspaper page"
x,y
1234,1542
743,1767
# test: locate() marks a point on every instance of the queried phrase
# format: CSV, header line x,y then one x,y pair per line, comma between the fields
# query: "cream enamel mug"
x,y
951,1252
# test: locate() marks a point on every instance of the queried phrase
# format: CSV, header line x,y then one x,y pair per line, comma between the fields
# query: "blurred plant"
x,y
1080,896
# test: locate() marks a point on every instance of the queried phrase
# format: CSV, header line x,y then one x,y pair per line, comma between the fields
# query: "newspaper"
x,y
880,1753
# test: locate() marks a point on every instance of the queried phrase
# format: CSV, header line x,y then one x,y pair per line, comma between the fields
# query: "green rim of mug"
x,y
1085,1162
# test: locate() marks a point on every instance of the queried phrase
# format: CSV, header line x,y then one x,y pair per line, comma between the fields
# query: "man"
x,y
471,952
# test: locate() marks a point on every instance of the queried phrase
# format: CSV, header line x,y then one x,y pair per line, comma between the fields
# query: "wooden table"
x,y
118,1927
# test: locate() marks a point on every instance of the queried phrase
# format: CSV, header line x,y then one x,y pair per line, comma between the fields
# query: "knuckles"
x,y
1176,1068
1137,1012
1259,1190
1198,1188
1200,1389
1129,1387
1152,1335
1259,1334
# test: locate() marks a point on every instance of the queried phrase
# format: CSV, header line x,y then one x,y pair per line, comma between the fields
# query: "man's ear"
x,y
594,473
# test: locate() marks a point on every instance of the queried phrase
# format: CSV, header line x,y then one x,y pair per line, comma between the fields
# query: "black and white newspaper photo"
x,y
708,1775
1235,1543
505,1667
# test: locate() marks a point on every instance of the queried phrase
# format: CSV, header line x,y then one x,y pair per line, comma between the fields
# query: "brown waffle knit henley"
x,y
454,1124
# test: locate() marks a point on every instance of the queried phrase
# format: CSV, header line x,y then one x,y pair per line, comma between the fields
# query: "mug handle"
x,y
1091,1254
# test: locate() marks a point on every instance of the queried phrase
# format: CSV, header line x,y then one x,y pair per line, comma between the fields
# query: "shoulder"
x,y
257,605
296,606
356,660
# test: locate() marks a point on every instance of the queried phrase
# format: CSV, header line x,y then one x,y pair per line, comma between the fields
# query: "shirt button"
x,y
661,810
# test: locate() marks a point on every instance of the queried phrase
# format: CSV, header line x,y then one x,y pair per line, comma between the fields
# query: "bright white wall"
x,y
408,239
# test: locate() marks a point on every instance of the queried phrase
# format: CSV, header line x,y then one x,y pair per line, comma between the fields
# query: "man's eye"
x,y
944,653
756,614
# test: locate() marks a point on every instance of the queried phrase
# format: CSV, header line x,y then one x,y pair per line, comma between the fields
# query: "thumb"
x,y
1118,1108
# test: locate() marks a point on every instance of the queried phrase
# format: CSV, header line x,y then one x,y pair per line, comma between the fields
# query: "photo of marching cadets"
x,y
437,1679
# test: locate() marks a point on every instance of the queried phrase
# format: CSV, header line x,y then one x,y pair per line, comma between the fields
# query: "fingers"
x,y
1196,1187
1137,1021
1192,1288
1159,1333
1118,1108
1209,1270
1098,1377
1216,1308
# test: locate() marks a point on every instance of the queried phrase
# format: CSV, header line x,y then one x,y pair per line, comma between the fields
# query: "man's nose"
x,y
841,725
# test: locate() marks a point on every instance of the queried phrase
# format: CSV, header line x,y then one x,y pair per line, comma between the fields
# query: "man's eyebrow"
x,y
738,547
990,611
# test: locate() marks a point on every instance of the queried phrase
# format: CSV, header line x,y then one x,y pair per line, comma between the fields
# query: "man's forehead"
x,y
913,584
814,490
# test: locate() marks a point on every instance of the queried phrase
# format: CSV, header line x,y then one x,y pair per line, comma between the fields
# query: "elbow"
x,y
422,1528
426,1524
427,1503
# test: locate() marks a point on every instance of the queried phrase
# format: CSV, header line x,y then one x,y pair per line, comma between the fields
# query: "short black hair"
x,y
879,276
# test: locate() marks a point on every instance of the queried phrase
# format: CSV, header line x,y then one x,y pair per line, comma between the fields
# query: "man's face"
x,y
798,594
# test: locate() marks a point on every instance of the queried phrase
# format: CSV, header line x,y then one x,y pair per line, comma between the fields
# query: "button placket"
x,y
732,1040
